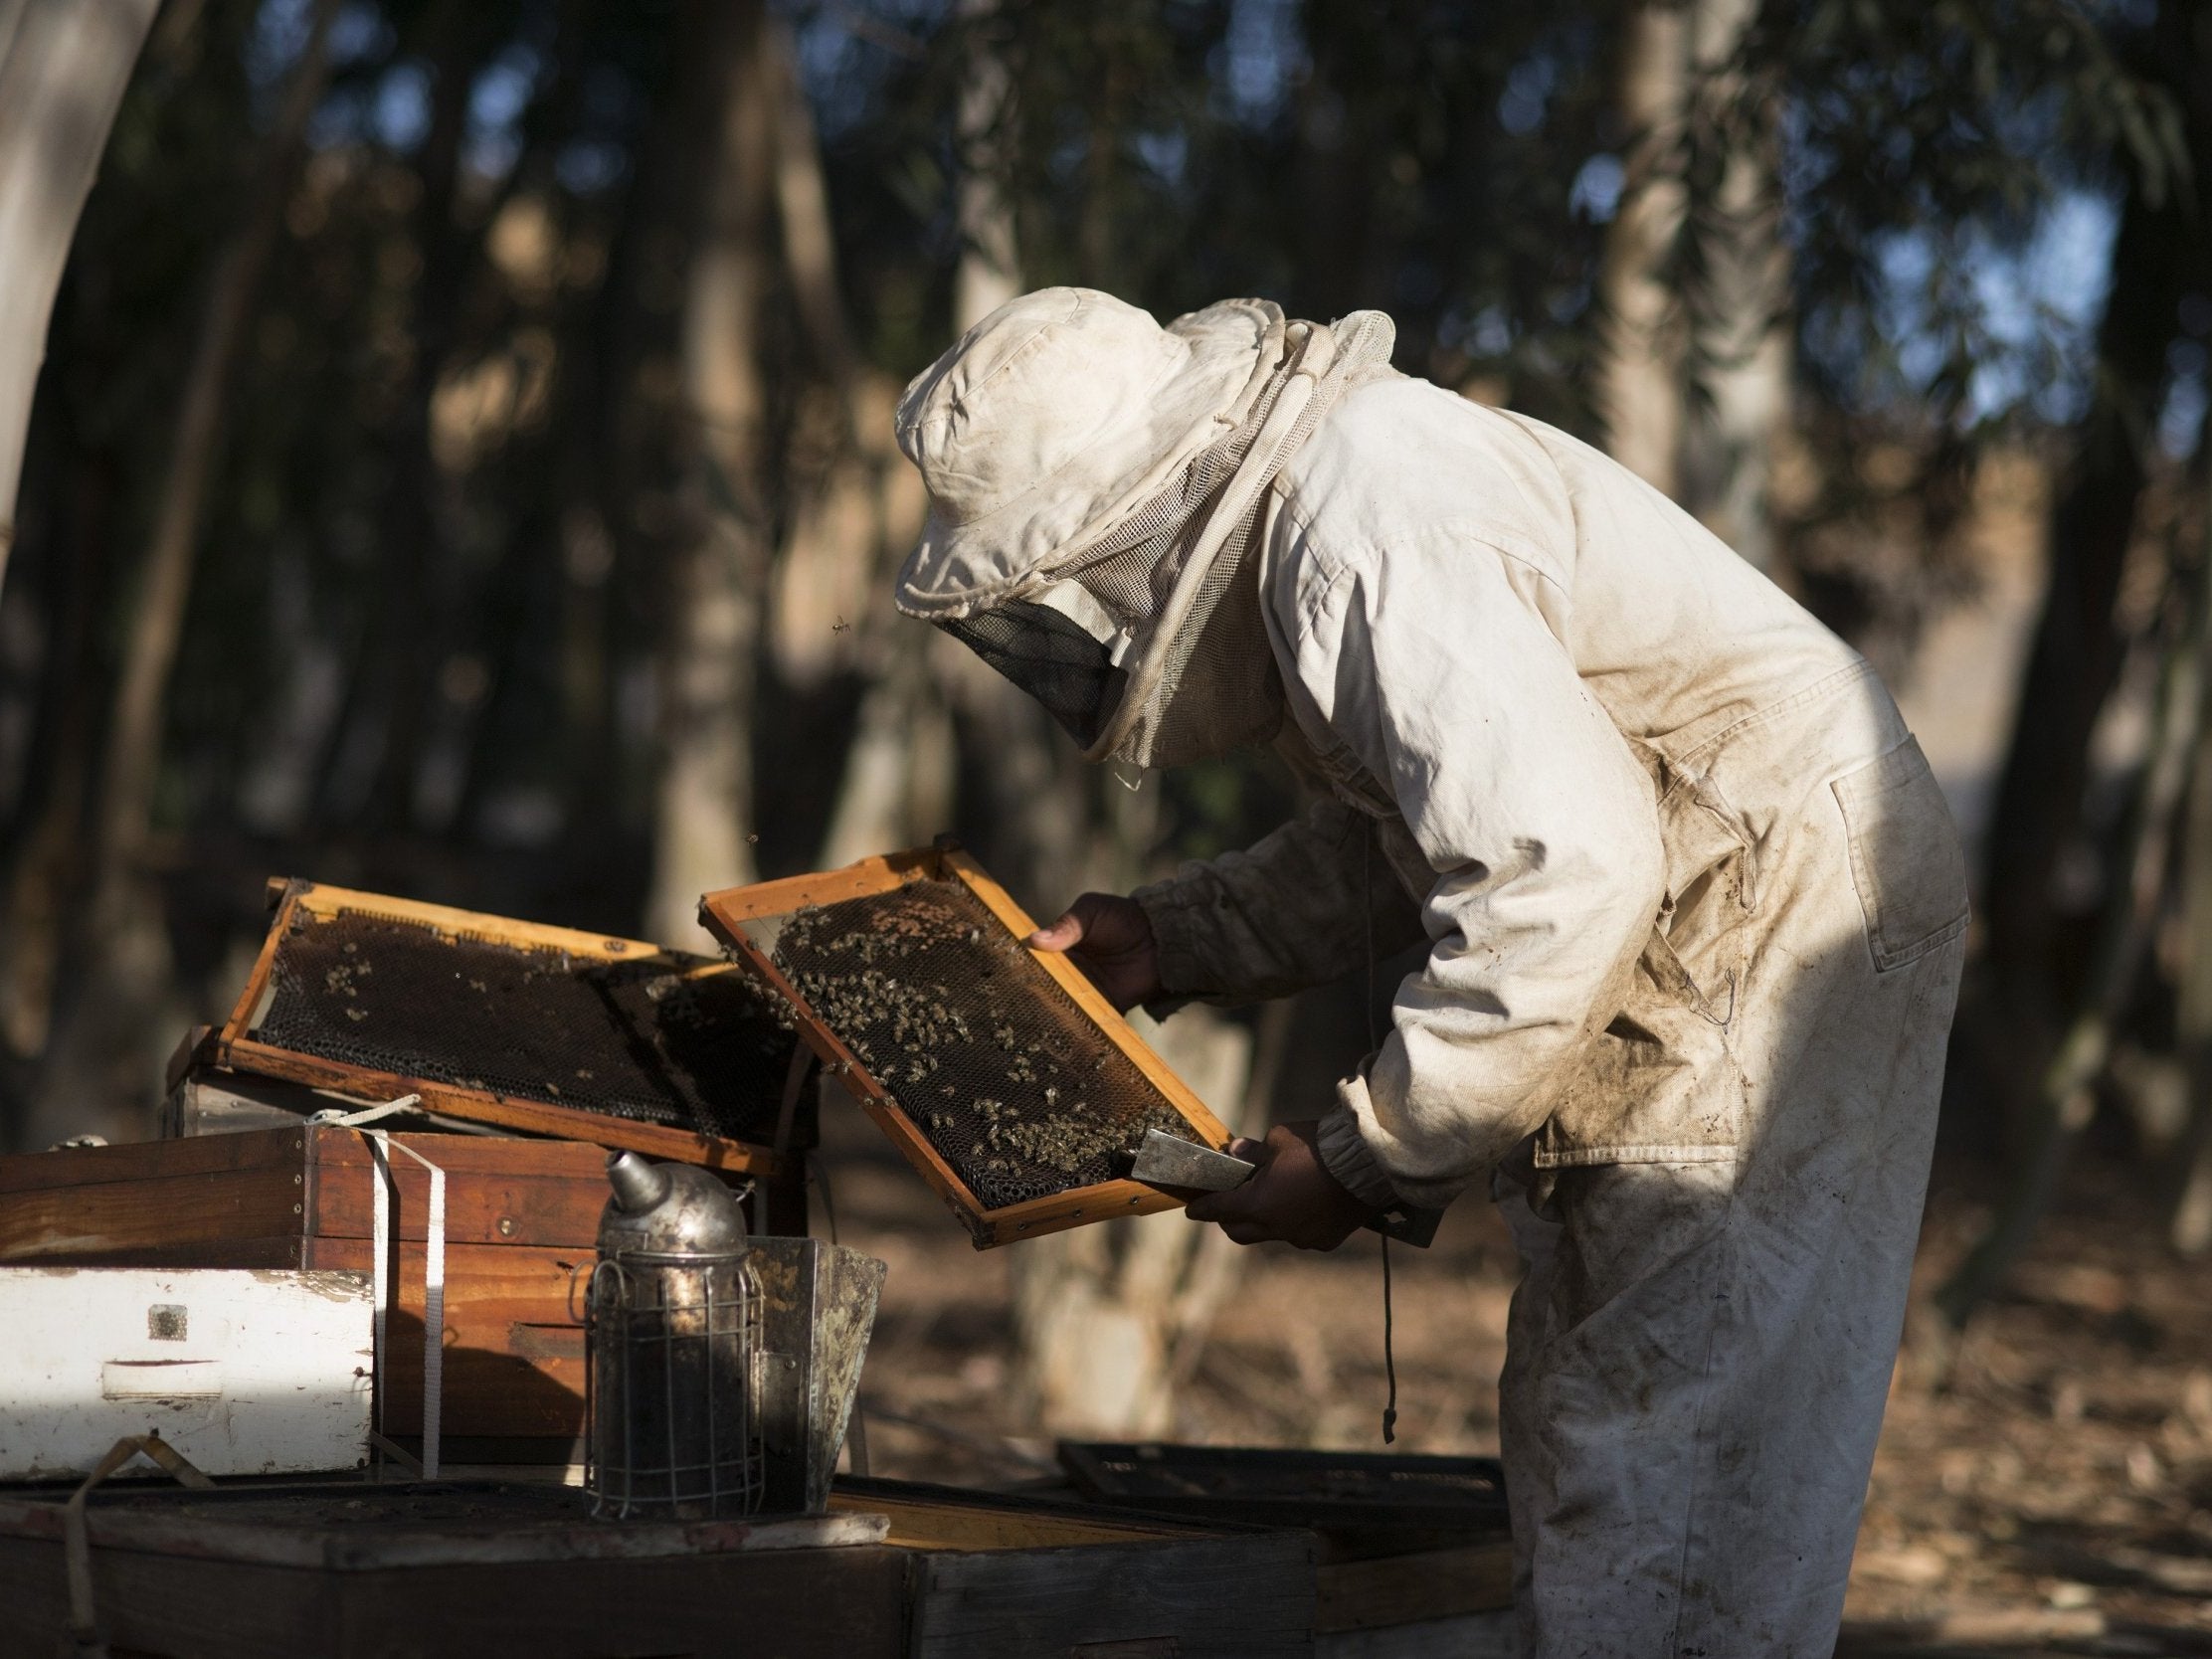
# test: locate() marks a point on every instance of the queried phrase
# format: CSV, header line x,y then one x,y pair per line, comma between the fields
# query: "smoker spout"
x,y
637,1184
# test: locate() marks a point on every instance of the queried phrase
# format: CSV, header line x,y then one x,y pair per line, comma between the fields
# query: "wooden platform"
x,y
895,1571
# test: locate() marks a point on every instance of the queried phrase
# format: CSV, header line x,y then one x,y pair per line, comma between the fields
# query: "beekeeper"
x,y
1692,901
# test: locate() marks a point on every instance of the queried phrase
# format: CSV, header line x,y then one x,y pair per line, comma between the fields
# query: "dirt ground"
x,y
2052,1495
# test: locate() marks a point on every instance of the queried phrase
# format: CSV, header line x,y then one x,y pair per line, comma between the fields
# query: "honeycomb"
x,y
644,1040
980,1049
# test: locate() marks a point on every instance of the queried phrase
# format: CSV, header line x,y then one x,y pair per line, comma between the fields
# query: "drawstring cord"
x,y
1390,1358
1375,1041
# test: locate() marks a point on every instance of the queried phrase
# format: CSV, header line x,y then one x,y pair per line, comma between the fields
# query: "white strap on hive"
x,y
385,1188
77,1543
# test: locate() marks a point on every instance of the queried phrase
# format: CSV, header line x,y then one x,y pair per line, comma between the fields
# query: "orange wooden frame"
x,y
232,1045
726,914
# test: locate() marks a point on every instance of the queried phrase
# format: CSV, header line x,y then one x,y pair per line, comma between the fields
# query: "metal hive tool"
x,y
508,1022
1000,1071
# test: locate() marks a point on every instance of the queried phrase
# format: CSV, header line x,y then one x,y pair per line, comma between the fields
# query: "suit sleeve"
x,y
1434,662
1302,907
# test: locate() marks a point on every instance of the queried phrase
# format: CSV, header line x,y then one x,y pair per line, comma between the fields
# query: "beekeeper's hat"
x,y
1095,481
1050,418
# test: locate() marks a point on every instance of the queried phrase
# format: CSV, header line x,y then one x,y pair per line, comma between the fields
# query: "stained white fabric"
x,y
1201,676
1694,908
1699,1353
1548,685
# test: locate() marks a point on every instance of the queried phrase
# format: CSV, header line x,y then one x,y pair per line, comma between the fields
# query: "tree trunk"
x,y
377,741
989,270
1108,1321
2061,1103
2190,1225
898,772
832,585
64,66
2078,648
1034,791
133,751
1738,294
1105,1318
1334,169
622,448
1639,392
803,209
704,799
49,864
1109,1318
898,777
110,1033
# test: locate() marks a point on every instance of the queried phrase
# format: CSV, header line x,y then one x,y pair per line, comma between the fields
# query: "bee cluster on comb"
x,y
650,1039
981,1051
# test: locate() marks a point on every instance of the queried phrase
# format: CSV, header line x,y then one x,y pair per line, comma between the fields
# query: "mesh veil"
x,y
1053,658
1185,589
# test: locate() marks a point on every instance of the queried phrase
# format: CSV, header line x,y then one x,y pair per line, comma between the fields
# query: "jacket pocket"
x,y
1906,860
1659,1084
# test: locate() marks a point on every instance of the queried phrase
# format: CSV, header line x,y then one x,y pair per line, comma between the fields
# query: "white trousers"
x,y
1699,1353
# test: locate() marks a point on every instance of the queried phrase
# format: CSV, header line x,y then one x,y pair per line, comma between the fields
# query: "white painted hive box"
x,y
245,1371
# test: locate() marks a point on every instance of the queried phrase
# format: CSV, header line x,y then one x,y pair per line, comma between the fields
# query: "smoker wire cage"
x,y
543,1029
672,1347
1001,1074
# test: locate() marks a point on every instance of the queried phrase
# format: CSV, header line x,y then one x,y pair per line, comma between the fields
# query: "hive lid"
x,y
549,1030
1000,1071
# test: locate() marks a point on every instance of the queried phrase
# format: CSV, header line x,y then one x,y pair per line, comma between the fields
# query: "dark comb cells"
x,y
644,1040
980,1049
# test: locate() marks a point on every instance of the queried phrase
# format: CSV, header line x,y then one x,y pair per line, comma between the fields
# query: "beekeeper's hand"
x,y
1293,1198
1110,939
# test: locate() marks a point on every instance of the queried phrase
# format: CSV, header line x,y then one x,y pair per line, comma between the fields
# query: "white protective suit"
x,y
1695,911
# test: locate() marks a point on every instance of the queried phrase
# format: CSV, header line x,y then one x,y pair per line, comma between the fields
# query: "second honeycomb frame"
x,y
734,916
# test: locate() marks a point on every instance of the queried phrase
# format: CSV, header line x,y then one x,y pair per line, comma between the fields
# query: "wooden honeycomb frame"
x,y
726,915
232,1045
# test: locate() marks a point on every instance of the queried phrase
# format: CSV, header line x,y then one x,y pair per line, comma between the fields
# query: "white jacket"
x,y
1535,688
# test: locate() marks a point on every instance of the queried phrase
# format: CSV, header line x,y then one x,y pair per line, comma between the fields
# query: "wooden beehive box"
x,y
244,1372
545,1030
521,1218
1000,1071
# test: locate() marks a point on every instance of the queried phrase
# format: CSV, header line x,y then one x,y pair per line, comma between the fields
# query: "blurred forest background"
x,y
463,467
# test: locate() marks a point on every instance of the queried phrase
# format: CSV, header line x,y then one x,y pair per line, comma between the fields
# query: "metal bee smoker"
x,y
673,1335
